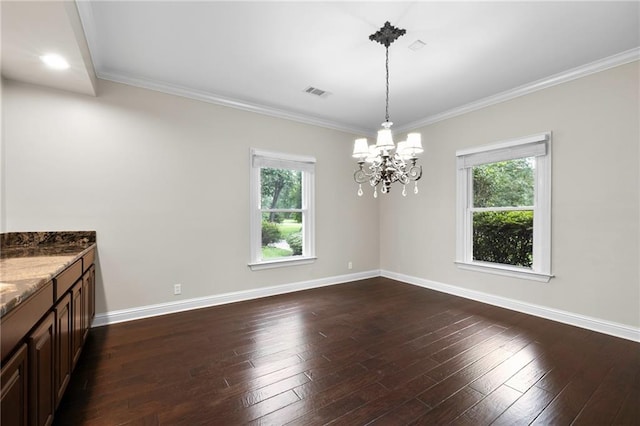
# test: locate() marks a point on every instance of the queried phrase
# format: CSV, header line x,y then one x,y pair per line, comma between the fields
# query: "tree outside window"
x,y
281,201
282,209
503,199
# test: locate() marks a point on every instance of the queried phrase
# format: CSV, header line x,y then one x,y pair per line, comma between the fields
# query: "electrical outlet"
x,y
350,265
177,289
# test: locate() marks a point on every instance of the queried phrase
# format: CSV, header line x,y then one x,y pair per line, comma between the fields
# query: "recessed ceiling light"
x,y
55,61
417,45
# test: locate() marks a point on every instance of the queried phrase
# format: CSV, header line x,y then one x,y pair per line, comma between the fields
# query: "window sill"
x,y
507,271
281,263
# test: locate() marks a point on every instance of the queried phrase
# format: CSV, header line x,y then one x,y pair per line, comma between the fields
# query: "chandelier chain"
x,y
386,117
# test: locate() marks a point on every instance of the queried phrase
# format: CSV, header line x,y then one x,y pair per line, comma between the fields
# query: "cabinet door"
x,y
86,304
13,390
92,298
77,331
41,364
63,346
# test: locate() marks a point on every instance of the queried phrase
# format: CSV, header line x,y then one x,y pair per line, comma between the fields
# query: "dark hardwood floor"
x,y
370,352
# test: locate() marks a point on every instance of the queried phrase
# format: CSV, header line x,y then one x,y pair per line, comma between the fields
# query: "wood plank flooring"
x,y
370,352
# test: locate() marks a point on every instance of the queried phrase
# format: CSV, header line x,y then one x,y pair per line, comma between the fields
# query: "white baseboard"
x,y
123,315
590,323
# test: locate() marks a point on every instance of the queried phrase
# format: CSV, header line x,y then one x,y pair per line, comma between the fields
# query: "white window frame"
x,y
538,146
306,164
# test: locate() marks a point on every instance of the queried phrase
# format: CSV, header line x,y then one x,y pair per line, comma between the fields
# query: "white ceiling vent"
x,y
417,45
316,92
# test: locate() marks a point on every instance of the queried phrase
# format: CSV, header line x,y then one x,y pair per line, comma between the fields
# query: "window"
x,y
504,208
282,219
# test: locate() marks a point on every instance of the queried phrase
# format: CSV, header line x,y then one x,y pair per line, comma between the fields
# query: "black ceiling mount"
x,y
387,34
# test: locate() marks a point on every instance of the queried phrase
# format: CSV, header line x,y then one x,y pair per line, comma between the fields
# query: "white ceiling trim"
x,y
86,14
78,29
88,24
201,95
563,77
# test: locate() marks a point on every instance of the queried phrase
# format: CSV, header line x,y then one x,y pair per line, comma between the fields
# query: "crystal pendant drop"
x,y
360,190
404,190
415,188
384,189
375,192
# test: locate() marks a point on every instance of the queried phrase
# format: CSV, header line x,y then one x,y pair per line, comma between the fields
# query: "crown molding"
x,y
563,77
88,23
211,98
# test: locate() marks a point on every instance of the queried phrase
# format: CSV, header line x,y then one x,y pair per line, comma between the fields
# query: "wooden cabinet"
x,y
63,346
41,344
13,389
93,294
67,279
77,329
88,300
15,325
25,340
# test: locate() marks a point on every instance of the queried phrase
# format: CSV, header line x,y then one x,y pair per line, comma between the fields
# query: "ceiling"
x,y
32,29
262,55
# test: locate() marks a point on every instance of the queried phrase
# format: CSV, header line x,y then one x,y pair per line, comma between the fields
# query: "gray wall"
x,y
164,181
595,198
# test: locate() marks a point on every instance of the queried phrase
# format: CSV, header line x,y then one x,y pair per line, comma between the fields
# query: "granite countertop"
x,y
29,260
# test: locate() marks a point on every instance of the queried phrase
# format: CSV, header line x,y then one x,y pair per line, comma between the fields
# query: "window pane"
x,y
281,234
504,184
503,237
281,188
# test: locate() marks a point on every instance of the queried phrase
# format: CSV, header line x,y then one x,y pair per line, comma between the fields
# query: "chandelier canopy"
x,y
385,162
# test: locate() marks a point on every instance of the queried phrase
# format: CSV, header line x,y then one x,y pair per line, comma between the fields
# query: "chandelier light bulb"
x,y
385,139
414,142
360,148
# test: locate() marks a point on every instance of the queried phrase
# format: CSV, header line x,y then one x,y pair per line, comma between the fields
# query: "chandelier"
x,y
386,163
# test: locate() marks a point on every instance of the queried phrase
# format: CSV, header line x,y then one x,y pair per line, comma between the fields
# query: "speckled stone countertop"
x,y
28,260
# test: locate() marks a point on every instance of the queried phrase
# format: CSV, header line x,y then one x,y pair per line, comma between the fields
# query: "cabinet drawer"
x,y
23,317
66,279
88,260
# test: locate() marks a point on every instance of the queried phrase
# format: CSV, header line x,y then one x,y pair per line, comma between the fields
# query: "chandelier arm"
x,y
415,172
376,177
360,176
